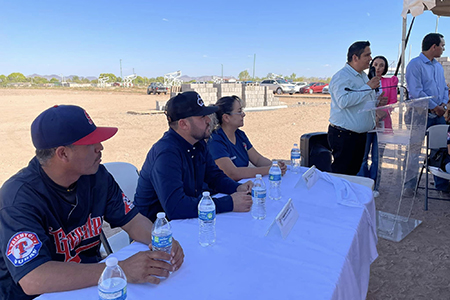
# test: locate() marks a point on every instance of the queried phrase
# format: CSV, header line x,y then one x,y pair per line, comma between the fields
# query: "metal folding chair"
x,y
126,175
436,138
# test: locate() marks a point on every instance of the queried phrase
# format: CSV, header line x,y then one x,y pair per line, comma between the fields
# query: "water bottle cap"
x,y
205,194
274,162
161,215
295,145
258,176
111,261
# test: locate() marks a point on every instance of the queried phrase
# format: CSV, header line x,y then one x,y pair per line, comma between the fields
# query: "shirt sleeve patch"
x,y
23,247
127,203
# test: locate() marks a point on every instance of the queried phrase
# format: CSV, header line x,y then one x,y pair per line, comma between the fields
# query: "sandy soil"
x,y
416,268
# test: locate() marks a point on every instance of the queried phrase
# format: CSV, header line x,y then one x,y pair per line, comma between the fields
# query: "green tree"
x,y
76,79
112,77
39,80
244,75
160,79
54,80
3,79
139,80
17,77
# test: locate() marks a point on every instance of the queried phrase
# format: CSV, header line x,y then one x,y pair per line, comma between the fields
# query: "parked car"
x,y
316,87
299,85
157,88
326,90
279,86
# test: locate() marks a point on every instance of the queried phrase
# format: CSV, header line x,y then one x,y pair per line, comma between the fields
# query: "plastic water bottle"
x,y
162,234
275,181
112,284
259,198
295,159
206,221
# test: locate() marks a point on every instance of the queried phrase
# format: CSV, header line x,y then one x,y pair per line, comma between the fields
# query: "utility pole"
x,y
254,62
121,77
222,72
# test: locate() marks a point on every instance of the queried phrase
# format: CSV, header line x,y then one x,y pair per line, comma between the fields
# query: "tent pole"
x,y
402,58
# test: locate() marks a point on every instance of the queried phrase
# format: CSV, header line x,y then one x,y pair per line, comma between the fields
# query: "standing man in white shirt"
x,y
350,90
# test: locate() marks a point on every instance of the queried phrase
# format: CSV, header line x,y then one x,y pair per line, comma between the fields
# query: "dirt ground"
x,y
415,268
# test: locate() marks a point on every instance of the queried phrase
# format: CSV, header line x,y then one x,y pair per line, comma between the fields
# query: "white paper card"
x,y
286,218
310,177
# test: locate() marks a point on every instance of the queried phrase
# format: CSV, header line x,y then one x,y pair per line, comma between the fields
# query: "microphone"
x,y
372,74
392,86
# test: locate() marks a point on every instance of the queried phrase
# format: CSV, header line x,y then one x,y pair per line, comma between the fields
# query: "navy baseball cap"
x,y
187,104
63,125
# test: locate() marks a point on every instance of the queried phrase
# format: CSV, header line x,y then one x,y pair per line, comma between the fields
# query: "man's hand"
x,y
177,255
382,100
145,265
374,82
245,187
283,167
242,201
439,111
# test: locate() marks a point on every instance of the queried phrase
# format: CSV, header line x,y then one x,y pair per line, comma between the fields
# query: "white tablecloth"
x,y
327,255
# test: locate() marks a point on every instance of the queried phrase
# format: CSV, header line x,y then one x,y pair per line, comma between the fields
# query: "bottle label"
x,y
207,215
116,295
258,193
295,155
274,177
161,241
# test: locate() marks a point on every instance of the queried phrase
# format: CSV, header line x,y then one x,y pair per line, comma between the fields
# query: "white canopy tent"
x,y
415,8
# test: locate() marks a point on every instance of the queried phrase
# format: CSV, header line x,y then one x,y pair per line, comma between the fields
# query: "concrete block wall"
x,y
269,97
445,62
253,95
228,89
206,90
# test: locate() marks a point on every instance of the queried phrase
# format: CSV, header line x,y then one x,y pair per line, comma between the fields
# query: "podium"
x,y
401,131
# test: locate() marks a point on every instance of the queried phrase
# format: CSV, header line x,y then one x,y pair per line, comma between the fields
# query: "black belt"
x,y
345,130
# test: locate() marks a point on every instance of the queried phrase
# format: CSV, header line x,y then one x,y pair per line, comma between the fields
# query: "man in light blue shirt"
x,y
425,77
351,90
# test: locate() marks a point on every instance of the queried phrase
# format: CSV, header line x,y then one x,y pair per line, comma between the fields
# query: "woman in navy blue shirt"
x,y
230,147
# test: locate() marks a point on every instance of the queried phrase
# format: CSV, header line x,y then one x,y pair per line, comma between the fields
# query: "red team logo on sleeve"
x,y
23,247
128,204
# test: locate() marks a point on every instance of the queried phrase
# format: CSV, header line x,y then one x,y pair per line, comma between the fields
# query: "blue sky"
x,y
86,38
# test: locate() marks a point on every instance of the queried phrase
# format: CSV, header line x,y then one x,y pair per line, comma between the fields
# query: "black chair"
x,y
315,151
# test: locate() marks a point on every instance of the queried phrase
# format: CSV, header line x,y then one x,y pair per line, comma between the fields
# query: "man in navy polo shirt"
x,y
177,166
51,213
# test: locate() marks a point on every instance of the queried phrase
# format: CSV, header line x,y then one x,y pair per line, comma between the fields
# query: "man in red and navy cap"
x,y
177,167
51,213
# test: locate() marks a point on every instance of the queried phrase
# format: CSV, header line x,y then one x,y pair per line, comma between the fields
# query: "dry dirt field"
x,y
415,268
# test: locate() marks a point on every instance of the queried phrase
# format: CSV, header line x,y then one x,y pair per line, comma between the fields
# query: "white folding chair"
x,y
436,138
126,175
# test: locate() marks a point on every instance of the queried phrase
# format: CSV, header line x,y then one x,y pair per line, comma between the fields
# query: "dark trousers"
x,y
347,148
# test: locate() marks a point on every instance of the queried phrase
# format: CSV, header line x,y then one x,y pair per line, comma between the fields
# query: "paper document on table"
x,y
285,219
